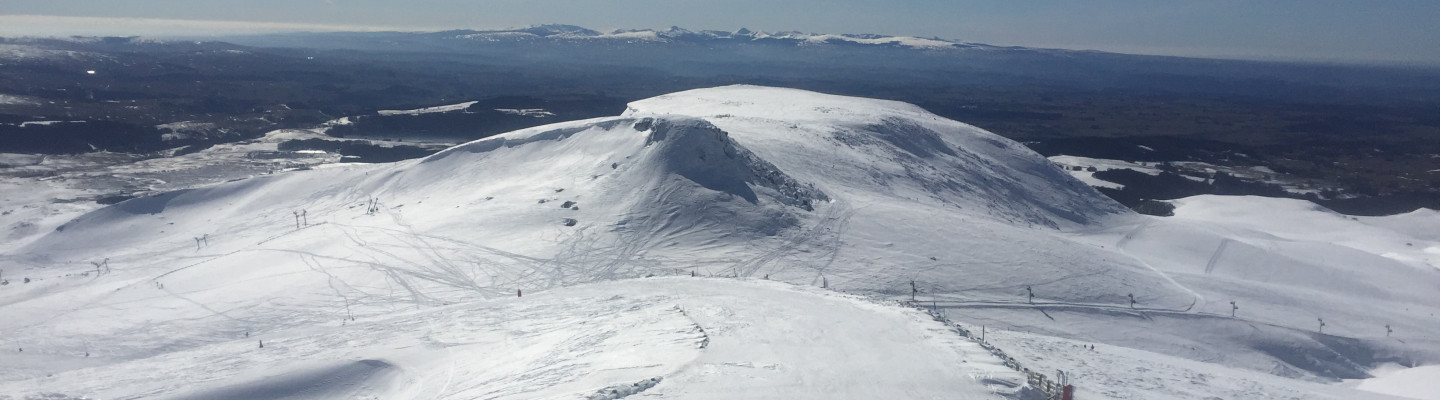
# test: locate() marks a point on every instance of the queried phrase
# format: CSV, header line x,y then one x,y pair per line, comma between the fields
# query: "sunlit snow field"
x,y
735,242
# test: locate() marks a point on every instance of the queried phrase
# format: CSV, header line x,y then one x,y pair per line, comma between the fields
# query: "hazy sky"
x,y
1371,31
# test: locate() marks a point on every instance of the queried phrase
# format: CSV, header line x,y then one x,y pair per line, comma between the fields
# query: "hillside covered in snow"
x,y
401,280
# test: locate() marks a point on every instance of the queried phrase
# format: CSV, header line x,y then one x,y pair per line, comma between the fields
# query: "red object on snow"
x,y
1067,392
517,293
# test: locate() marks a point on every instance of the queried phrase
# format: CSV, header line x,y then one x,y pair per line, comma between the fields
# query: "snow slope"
x,y
1415,383
1288,265
658,190
1116,372
702,338
741,181
42,192
1069,163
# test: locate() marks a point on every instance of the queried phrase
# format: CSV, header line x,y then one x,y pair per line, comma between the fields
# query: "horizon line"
x,y
60,27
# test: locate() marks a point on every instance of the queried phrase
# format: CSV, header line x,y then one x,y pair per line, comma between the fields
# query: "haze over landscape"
x,y
1399,31
638,199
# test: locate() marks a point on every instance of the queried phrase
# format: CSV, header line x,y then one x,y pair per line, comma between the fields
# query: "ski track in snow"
x,y
830,227
1219,251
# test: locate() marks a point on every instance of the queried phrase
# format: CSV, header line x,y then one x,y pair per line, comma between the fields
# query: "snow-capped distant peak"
x,y
678,34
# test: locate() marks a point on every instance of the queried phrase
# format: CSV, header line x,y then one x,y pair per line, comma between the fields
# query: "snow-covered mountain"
x,y
671,42
678,34
401,279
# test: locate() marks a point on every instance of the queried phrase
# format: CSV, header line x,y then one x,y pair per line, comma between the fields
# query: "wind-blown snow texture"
x,y
415,296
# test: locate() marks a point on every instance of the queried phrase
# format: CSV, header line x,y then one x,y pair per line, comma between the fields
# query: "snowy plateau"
x,y
733,242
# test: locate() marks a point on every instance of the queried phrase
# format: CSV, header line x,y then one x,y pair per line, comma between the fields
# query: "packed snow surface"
x,y
1415,383
707,338
401,280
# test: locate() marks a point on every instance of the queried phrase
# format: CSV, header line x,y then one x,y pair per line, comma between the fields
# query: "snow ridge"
x,y
739,169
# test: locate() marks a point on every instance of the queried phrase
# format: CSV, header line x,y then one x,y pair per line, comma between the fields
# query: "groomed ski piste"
x,y
733,242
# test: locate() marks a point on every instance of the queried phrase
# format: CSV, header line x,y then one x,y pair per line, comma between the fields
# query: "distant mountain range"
x,y
570,33
677,34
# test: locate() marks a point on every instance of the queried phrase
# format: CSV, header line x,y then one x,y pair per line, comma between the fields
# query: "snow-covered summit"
x,y
710,157
731,161
884,148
